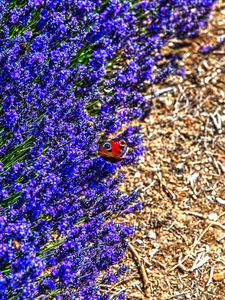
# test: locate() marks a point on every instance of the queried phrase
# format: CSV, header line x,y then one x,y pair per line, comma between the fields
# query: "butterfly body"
x,y
113,150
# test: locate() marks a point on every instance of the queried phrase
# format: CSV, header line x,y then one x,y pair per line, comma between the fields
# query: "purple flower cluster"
x,y
71,72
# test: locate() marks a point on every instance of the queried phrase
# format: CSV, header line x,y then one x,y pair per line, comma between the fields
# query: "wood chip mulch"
x,y
178,251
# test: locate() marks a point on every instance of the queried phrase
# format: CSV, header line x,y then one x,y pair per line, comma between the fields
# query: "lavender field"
x,y
79,81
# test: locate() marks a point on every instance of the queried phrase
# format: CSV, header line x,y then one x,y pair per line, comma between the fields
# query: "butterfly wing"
x,y
113,150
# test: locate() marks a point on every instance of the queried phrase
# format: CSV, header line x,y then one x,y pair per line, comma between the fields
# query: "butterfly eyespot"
x,y
122,144
107,146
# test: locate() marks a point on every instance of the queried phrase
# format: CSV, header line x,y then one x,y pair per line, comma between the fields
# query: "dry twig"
x,y
142,271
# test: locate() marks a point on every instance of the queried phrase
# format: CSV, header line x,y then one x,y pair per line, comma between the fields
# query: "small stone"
x,y
212,216
179,175
137,175
188,296
209,198
151,234
179,166
139,242
142,159
156,245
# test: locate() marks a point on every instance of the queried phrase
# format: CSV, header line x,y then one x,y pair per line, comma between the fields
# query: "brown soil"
x,y
178,251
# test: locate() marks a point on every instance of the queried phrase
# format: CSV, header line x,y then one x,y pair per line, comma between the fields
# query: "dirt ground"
x,y
178,251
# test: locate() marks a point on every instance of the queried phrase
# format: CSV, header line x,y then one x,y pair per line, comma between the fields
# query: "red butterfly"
x,y
113,150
